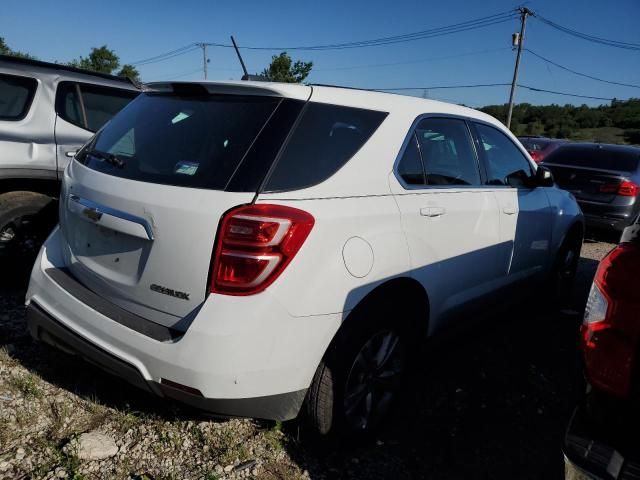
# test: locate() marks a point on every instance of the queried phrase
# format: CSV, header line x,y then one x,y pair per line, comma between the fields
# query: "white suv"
x,y
248,248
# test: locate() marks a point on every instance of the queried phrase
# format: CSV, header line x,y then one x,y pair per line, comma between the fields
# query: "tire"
x,y
563,273
355,373
26,219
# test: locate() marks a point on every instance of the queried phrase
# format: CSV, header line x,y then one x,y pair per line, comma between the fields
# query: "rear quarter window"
x,y
16,96
325,139
599,158
90,106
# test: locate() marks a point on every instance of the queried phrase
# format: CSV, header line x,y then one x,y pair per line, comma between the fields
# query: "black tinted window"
x,y
410,166
16,95
506,164
326,137
90,106
447,152
534,144
191,141
596,157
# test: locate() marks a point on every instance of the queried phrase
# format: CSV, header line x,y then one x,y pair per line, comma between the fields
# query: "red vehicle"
x,y
602,437
540,147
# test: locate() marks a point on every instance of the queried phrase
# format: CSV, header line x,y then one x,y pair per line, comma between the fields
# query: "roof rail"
x,y
66,68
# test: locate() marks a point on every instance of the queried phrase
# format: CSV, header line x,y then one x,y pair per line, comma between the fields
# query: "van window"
x,y
16,95
90,106
325,139
410,166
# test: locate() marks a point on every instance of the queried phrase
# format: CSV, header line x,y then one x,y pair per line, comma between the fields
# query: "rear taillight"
x,y
624,189
536,156
255,244
611,326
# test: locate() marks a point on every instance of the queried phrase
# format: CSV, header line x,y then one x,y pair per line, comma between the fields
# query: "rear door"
x,y
82,109
525,212
143,200
449,218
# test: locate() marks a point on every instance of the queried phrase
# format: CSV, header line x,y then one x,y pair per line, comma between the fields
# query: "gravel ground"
x,y
489,404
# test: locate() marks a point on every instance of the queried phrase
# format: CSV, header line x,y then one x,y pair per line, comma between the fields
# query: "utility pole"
x,y
524,13
205,60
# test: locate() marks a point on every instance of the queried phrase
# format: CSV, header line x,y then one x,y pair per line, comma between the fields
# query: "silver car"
x,y
47,112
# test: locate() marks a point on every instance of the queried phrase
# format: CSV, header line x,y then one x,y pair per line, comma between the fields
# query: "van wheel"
x,y
564,270
26,218
359,377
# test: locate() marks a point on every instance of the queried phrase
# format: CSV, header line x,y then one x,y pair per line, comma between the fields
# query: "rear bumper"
x,y
611,217
241,356
601,439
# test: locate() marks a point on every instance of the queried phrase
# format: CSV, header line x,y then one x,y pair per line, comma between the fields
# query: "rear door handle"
x,y
432,211
509,210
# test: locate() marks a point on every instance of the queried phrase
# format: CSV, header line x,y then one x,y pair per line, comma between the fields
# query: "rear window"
x,y
191,141
326,137
90,106
16,95
600,158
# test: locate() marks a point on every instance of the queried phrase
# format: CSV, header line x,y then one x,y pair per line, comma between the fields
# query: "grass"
x,y
27,384
601,135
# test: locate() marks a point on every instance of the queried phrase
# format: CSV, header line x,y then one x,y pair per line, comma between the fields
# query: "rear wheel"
x,y
26,218
360,376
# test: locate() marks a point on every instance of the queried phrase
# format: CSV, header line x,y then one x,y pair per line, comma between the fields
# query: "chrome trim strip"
x,y
94,212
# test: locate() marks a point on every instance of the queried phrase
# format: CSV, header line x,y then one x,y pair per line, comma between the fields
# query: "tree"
x,y
130,72
105,60
282,69
5,50
101,60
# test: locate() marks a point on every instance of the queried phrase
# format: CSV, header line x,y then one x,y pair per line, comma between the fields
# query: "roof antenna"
x,y
246,75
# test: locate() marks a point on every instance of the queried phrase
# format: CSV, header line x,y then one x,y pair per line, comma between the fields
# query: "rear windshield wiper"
x,y
107,157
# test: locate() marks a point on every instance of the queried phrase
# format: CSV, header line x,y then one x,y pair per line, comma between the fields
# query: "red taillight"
x,y
255,244
611,327
536,156
624,189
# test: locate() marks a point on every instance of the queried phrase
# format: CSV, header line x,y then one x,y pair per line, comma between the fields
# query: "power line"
x,y
579,73
588,37
440,87
534,89
421,60
480,85
481,22
167,55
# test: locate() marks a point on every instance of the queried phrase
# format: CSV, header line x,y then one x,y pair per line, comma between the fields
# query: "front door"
x,y
525,212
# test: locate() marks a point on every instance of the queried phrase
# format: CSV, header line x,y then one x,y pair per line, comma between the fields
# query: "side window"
x,y
447,152
90,106
410,166
16,95
325,139
506,164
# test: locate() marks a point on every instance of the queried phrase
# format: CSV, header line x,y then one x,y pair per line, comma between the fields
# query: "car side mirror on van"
x,y
544,177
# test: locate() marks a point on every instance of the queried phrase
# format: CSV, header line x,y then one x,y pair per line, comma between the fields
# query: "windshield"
x,y
191,141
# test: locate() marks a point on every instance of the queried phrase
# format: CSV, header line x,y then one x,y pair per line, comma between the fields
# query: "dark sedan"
x,y
604,179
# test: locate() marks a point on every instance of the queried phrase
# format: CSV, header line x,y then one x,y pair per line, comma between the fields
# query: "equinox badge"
x,y
169,291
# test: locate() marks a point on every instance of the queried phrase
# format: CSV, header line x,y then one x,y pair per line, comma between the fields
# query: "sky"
x,y
138,30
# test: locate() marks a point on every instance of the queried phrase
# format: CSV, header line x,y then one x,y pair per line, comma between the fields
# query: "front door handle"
x,y
432,212
71,153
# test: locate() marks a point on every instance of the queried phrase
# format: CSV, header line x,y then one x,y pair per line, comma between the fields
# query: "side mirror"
x,y
544,177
